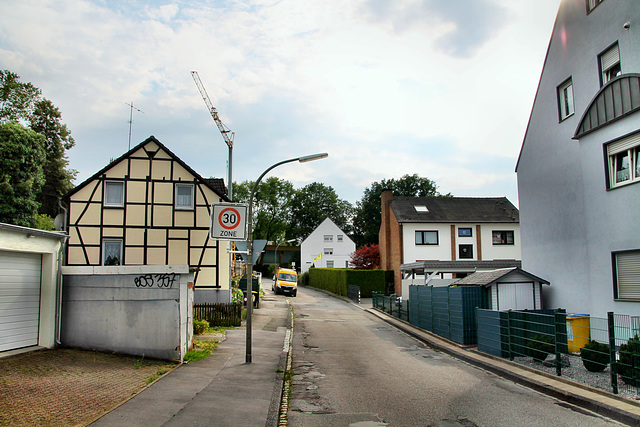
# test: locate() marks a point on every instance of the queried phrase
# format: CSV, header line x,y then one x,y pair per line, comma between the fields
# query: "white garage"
x,y
19,299
29,263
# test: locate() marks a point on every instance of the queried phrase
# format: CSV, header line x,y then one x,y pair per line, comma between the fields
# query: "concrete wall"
x,y
138,310
570,222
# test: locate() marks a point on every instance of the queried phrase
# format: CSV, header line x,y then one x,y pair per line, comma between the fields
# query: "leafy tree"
x,y
271,206
22,153
23,103
367,216
312,204
366,258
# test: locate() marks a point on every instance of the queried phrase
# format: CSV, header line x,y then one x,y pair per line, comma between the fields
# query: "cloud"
x,y
456,28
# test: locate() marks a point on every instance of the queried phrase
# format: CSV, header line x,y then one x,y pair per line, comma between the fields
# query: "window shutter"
x,y
610,58
628,269
623,144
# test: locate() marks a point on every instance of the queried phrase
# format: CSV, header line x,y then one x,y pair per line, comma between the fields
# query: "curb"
x,y
279,396
598,407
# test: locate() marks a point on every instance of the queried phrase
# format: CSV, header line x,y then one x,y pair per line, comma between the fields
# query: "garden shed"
x,y
508,288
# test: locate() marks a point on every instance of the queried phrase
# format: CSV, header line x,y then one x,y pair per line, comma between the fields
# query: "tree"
x,y
22,154
312,204
367,213
271,206
366,258
23,103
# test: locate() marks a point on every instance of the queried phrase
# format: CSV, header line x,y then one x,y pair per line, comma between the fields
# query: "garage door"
x,y
19,299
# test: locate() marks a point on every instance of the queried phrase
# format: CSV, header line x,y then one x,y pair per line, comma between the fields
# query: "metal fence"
x,y
603,352
219,314
391,304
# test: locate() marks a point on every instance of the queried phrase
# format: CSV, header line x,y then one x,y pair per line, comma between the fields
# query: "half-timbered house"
x,y
148,207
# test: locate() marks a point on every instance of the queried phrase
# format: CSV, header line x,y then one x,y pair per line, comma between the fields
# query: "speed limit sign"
x,y
228,221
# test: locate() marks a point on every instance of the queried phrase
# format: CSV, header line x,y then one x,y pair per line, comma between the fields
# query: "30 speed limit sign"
x,y
228,221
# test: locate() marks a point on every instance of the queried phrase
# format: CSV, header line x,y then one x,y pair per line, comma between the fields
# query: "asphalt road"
x,y
350,368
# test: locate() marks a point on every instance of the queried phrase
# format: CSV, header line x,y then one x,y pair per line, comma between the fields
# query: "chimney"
x,y
384,235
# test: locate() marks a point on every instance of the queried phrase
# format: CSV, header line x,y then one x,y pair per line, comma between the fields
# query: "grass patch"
x,y
195,355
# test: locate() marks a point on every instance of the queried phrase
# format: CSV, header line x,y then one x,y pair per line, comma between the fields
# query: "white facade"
x,y
447,249
326,247
575,220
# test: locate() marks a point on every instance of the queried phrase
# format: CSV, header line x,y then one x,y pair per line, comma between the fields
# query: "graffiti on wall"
x,y
157,280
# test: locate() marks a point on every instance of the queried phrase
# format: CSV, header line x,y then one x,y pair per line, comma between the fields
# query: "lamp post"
x,y
275,254
302,159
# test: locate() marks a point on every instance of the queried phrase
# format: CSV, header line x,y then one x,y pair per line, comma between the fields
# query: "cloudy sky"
x,y
440,88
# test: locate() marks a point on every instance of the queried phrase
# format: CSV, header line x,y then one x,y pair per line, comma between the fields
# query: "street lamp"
x,y
302,159
275,254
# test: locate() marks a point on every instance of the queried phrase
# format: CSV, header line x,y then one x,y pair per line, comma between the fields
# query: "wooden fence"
x,y
219,314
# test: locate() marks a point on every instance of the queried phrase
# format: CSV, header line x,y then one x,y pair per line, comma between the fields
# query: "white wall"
x,y
570,222
315,244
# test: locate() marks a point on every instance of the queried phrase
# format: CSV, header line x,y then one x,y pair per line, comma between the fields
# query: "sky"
x,y
438,88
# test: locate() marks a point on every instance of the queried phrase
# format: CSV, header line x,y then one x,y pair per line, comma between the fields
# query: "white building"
x,y
326,247
579,166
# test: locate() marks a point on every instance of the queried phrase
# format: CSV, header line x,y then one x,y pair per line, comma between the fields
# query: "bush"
x,y
237,296
200,326
625,363
303,279
595,356
540,346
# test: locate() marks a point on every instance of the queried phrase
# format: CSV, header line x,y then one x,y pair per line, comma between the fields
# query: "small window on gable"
x,y
624,161
609,64
114,193
328,251
328,238
339,238
184,196
565,99
111,252
591,4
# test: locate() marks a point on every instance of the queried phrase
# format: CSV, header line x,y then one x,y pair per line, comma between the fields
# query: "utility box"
x,y
578,326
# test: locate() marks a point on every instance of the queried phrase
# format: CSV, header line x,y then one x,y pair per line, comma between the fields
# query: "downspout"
x,y
61,253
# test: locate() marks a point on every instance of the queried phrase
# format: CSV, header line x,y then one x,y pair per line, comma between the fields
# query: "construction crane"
x,y
227,134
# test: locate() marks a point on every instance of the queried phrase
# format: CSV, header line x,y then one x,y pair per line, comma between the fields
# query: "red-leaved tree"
x,y
366,258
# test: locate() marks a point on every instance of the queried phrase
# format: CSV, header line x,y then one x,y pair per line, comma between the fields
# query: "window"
x,y
624,161
626,268
426,237
111,252
565,99
502,237
329,264
609,64
184,196
421,208
465,232
328,251
114,193
465,251
339,238
328,238
591,4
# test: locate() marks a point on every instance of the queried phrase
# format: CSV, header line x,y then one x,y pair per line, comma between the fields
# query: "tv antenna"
x,y
131,119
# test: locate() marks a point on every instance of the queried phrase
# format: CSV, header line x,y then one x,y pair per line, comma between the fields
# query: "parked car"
x,y
285,282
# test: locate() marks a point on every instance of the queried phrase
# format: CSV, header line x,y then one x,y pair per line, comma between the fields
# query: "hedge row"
x,y
336,280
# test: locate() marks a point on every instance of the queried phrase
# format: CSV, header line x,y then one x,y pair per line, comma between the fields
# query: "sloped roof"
x,y
460,266
486,278
153,139
454,209
217,184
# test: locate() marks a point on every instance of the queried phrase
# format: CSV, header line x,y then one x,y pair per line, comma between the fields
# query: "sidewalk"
x,y
221,390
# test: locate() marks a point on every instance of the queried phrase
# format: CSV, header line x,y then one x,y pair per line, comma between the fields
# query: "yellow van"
x,y
285,282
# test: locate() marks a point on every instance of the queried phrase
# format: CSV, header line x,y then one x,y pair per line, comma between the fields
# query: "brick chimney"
x,y
384,235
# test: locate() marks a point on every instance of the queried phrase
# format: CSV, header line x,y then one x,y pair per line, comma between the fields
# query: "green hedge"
x,y
336,280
